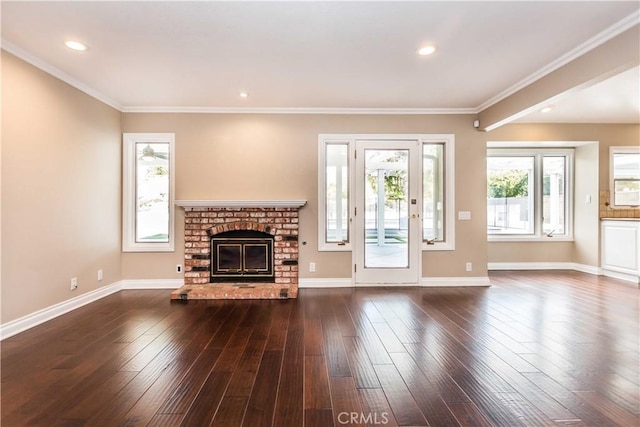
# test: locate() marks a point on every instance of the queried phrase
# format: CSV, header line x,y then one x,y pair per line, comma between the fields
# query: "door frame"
x,y
388,276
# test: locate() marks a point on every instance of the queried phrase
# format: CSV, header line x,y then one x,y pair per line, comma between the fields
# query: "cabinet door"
x,y
620,247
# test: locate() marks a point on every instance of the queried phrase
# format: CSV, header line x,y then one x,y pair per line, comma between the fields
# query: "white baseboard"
x,y
596,271
384,285
544,266
425,281
153,284
530,266
325,283
622,276
16,326
455,281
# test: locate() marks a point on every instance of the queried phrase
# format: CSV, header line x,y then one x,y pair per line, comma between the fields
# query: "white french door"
x,y
387,223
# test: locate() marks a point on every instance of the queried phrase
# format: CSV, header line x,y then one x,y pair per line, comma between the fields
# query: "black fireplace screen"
x,y
242,256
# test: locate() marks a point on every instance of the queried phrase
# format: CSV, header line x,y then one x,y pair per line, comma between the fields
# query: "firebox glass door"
x,y
387,220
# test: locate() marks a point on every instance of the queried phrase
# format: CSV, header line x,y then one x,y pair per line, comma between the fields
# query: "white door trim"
x,y
404,276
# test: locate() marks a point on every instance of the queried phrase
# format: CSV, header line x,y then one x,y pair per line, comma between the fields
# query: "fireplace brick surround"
x,y
205,219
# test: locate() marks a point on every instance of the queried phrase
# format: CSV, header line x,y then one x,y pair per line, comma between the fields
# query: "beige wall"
x,y
61,185
586,223
225,156
60,190
518,252
592,170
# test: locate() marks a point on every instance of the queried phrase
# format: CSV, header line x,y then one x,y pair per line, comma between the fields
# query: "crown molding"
x,y
604,36
57,73
303,110
61,75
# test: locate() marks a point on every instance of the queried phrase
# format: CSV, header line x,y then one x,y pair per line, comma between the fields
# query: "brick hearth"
x,y
203,222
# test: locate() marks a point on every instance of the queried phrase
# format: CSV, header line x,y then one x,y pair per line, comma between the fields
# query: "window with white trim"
x,y
335,181
334,200
625,177
337,193
433,181
529,193
438,192
148,187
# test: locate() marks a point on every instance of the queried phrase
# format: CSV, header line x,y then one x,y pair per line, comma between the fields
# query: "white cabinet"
x,y
621,249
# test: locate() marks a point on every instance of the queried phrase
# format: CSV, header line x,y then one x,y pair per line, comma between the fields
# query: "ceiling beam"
x,y
610,58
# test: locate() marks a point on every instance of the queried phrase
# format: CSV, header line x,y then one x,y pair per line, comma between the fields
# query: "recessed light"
x,y
546,109
72,44
426,50
244,95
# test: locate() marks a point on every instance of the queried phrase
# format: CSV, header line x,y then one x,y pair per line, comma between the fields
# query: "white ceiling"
x,y
318,55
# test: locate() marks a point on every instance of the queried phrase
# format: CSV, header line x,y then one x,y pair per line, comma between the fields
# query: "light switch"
x,y
464,215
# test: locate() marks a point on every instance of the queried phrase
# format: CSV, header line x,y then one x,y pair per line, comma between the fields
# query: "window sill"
x,y
334,248
522,239
438,246
151,247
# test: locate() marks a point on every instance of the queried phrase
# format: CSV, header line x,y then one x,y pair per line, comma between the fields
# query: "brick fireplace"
x,y
206,220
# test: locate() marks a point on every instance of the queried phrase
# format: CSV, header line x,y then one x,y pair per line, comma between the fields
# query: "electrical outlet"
x,y
100,275
312,267
178,268
469,267
74,283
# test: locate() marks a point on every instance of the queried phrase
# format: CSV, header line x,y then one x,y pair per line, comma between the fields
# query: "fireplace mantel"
x,y
295,204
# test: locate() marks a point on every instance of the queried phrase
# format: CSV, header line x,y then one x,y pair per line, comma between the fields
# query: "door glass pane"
x,y
255,256
510,195
152,192
229,257
337,194
553,195
386,208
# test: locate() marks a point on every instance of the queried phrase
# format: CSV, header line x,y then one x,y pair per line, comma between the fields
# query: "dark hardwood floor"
x,y
536,349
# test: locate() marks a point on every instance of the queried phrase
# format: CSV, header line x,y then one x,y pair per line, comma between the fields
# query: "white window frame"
x,y
612,151
323,142
349,139
539,154
129,243
449,189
